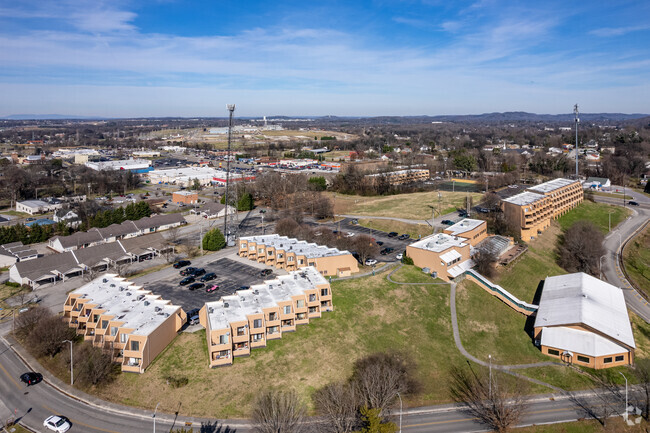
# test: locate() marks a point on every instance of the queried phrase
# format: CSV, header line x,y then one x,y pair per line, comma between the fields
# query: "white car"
x,y
350,234
57,424
399,256
371,262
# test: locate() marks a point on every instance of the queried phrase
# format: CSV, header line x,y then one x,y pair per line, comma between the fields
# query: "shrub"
x,y
214,240
12,284
177,381
96,367
406,259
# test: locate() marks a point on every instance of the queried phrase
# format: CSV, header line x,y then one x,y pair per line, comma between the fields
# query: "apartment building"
x,y
116,315
531,211
237,323
400,177
474,231
584,321
291,254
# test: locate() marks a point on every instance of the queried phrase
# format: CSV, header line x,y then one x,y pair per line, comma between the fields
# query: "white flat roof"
x,y
138,308
582,299
450,256
294,245
524,198
552,185
461,267
34,203
268,294
579,341
439,242
464,225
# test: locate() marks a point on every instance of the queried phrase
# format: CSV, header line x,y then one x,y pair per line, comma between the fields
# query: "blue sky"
x,y
125,58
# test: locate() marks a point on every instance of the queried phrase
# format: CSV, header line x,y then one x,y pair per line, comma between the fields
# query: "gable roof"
x,y
582,299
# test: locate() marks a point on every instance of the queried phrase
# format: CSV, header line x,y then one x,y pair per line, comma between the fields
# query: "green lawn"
x,y
16,213
636,256
597,213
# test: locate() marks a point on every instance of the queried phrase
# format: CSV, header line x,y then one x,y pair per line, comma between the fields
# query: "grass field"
x,y
15,213
597,213
414,230
614,425
636,256
408,206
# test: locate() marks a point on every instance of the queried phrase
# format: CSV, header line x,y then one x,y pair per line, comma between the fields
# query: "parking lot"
x,y
231,275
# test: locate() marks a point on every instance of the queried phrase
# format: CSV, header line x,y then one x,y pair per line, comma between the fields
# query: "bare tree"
x,y
122,269
581,248
90,274
642,394
46,338
485,260
487,398
25,322
96,366
172,235
379,377
365,247
277,411
337,402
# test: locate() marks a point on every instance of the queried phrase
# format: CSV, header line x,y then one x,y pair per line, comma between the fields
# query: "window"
x,y
272,330
252,248
287,309
312,263
583,358
607,360
553,352
258,337
290,259
223,354
95,318
323,292
223,339
619,358
135,345
312,298
241,331
313,309
113,331
301,316
273,316
104,324
123,338
280,255
269,253
257,323
261,250
301,262
300,303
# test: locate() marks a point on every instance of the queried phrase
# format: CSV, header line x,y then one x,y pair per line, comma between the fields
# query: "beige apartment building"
x,y
474,231
237,323
118,316
291,254
584,321
531,211
400,177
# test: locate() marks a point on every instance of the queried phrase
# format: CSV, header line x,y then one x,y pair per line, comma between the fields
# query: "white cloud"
x,y
618,31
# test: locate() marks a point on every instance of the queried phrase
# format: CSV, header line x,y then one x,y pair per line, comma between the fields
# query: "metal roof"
x,y
579,341
582,299
524,198
463,226
552,185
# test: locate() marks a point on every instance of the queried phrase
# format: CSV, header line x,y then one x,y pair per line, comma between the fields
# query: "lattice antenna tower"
x,y
577,120
226,231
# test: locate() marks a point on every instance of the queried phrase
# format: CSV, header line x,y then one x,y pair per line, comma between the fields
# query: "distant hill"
x,y
49,117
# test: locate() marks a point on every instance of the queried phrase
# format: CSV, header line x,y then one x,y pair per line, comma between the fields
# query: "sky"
x,y
152,58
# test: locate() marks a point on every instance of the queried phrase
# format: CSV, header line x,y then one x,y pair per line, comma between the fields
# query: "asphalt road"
x,y
609,262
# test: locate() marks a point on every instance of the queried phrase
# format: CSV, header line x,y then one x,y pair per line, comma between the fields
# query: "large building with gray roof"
x,y
118,316
584,321
246,320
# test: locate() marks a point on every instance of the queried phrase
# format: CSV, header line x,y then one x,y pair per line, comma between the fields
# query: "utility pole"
x,y
577,120
231,109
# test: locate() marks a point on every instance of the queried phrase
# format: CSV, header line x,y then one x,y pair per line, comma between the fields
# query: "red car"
x,y
212,288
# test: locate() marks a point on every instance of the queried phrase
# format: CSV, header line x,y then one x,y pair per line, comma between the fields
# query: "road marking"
x,y
10,377
473,419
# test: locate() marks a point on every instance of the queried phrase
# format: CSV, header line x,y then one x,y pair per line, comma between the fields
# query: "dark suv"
x,y
182,263
403,237
198,272
386,251
392,234
208,277
196,286
265,272
31,378
187,271
187,280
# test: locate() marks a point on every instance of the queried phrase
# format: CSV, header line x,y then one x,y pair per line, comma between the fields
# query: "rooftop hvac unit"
x,y
211,310
146,303
105,280
122,289
112,285
140,297
158,309
257,292
225,305
128,293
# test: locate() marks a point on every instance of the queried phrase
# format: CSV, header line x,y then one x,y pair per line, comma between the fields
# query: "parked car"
x,y
212,288
349,234
31,378
399,256
448,222
208,277
403,237
265,272
386,251
354,221
187,271
187,280
198,272
380,243
392,234
194,320
192,312
58,424
371,262
632,203
196,286
244,287
462,213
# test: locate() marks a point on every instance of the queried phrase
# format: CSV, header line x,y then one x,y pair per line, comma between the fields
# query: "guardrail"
x,y
507,297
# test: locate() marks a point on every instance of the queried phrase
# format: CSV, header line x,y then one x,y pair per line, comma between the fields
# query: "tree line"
x,y
132,212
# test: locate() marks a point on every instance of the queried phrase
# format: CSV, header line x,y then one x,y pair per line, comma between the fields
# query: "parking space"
x,y
231,275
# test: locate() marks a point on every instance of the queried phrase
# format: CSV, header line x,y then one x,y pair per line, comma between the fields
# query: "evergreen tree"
x,y
245,202
213,240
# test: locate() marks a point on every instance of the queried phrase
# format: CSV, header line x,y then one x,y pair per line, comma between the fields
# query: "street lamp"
x,y
154,417
490,385
71,367
625,394
610,220
600,265
400,412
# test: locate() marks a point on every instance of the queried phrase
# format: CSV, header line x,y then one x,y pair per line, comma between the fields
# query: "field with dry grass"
x,y
413,230
409,206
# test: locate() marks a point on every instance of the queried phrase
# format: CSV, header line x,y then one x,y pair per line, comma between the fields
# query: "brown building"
x,y
366,166
248,319
118,316
292,254
472,230
185,197
584,321
532,210
400,177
